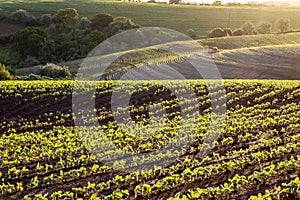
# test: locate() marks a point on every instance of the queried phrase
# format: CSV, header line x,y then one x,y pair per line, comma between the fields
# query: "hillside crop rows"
x,y
256,156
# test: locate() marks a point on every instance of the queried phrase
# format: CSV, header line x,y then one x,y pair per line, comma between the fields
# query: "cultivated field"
x,y
256,156
239,137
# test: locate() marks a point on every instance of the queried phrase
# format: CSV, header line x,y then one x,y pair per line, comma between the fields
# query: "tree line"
x,y
58,37
248,28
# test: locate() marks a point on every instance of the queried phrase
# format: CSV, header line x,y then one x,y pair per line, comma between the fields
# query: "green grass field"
x,y
177,17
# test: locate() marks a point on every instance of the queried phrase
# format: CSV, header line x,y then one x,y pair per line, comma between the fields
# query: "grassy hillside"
x,y
251,41
260,56
277,55
177,17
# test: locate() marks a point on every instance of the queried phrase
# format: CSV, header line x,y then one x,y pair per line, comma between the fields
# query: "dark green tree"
x,y
84,23
47,51
101,20
68,17
22,17
122,23
66,48
93,39
28,41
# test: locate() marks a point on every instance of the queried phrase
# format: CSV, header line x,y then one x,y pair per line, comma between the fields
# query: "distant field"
x,y
177,17
247,41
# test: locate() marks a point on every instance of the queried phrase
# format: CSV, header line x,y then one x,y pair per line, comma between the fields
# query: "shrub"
x,y
32,77
217,32
283,25
191,33
55,71
27,41
264,28
238,32
101,20
4,73
228,32
249,28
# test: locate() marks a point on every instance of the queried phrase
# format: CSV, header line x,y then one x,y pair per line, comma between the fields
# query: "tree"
x,y
28,40
4,73
84,23
67,50
123,23
174,1
68,17
55,29
93,39
264,28
283,25
217,3
101,20
47,50
248,28
45,19
22,17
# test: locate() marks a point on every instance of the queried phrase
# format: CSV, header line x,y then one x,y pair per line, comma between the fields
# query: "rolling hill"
x,y
273,56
